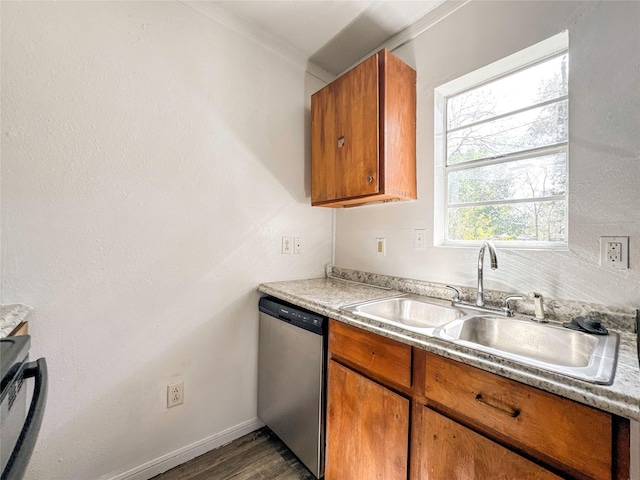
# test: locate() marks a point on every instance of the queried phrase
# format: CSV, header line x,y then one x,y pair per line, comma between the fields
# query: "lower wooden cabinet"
x,y
445,450
560,432
465,423
367,428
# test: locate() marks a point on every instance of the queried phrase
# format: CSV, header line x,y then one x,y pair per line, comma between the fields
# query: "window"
x,y
501,151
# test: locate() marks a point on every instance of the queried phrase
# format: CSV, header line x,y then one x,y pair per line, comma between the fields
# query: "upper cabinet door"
x,y
345,135
363,135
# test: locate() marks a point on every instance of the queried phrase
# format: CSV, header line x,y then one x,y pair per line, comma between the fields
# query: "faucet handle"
x,y
505,305
456,297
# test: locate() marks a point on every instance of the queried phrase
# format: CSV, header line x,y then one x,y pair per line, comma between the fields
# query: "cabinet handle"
x,y
369,179
512,412
340,141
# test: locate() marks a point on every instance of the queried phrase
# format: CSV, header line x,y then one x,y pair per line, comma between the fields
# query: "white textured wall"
x,y
151,162
604,152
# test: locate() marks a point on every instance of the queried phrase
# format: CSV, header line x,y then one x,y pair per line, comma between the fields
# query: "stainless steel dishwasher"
x,y
291,378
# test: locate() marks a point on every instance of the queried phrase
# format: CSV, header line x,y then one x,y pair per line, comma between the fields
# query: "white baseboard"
x,y
178,457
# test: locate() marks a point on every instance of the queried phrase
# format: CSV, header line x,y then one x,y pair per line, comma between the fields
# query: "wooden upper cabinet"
x,y
363,135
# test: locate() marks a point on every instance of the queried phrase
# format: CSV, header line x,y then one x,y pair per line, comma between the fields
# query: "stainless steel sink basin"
x,y
407,312
569,352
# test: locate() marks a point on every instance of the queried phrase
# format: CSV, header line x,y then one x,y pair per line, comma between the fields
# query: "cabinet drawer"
x,y
373,354
552,428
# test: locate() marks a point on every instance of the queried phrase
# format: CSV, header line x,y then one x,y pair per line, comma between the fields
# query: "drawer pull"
x,y
512,412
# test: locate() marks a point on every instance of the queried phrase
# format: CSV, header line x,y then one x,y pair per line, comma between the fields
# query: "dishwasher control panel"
x,y
294,315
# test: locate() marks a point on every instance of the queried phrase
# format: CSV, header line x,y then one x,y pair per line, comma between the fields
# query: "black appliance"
x,y
19,427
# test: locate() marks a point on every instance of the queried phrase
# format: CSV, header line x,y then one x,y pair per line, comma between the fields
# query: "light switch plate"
x,y
287,246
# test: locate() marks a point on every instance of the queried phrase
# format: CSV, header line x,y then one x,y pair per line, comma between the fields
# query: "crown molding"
x,y
260,37
417,28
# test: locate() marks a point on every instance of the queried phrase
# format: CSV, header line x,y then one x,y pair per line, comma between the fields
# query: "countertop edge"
x,y
598,396
11,316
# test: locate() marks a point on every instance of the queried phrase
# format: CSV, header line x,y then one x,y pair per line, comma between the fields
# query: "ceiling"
x,y
331,34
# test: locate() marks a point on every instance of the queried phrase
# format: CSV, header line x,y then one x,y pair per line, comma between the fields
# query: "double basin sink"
x,y
584,356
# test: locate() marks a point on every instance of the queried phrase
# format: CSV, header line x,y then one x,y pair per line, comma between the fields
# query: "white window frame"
x,y
537,53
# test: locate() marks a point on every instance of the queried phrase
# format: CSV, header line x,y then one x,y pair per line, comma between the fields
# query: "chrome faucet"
x,y
479,306
494,266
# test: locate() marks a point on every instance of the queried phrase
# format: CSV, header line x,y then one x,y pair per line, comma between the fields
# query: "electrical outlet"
x,y
614,252
418,239
381,246
175,394
297,245
286,245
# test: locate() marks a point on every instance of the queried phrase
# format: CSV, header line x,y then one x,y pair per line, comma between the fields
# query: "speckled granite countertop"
x,y
11,316
327,295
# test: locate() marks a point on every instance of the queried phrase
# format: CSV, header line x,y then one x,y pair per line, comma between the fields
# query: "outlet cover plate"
x,y
419,235
614,252
175,394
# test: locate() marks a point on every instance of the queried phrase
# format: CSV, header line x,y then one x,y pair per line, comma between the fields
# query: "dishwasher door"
x,y
291,388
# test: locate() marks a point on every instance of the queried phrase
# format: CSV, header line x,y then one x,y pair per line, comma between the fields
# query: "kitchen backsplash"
x,y
560,310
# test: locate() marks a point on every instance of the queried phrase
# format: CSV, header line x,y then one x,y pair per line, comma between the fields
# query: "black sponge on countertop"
x,y
592,323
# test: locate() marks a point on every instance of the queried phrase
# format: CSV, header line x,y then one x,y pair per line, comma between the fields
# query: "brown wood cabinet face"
x,y
345,135
475,425
372,354
363,135
21,329
558,431
445,450
398,130
367,428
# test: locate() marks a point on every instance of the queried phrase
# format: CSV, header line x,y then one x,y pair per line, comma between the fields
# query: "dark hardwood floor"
x,y
257,456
